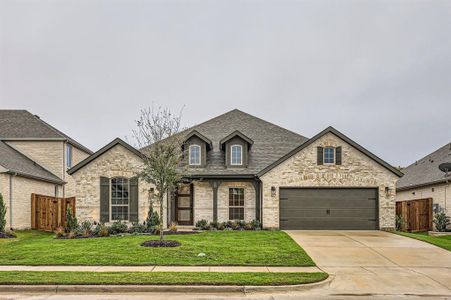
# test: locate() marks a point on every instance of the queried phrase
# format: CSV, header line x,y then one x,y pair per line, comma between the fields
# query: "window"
x,y
329,155
68,156
194,155
236,203
236,157
119,199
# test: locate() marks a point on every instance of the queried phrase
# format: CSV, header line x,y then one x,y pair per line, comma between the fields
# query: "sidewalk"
x,y
161,269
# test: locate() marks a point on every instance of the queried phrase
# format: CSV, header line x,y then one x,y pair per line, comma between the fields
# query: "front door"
x,y
184,204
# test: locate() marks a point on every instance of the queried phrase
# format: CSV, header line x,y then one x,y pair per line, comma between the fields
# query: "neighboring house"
x,y
423,179
34,158
244,168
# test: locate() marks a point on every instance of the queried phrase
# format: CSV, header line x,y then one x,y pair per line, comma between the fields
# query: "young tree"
x,y
2,214
157,136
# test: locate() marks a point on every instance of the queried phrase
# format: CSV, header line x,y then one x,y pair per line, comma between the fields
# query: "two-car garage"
x,y
328,208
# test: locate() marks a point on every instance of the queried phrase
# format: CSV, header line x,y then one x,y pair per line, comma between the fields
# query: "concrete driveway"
x,y
377,262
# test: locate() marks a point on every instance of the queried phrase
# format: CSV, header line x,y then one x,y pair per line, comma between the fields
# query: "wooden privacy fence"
x,y
416,214
48,213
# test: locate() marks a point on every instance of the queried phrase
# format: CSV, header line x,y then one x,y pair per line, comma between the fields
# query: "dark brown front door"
x,y
184,205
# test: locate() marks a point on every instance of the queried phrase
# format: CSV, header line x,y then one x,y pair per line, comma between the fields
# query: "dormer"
x,y
236,146
196,147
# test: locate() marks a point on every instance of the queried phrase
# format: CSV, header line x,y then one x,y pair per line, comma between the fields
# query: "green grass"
x,y
440,241
158,278
232,248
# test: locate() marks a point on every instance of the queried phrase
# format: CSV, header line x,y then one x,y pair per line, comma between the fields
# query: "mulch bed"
x,y
159,243
7,235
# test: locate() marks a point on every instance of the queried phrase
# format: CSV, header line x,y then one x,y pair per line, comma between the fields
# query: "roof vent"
x,y
37,116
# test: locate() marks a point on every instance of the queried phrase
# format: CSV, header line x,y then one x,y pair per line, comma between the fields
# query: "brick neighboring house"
x,y
34,158
423,179
244,168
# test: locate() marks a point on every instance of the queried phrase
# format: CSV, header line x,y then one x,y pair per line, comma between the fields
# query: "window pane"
x,y
194,155
184,215
119,213
329,154
119,193
236,155
236,203
184,202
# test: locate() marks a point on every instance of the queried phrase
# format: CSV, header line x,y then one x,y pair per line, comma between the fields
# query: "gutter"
x,y
406,188
11,200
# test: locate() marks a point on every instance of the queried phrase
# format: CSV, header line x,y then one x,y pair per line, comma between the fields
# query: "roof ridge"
x,y
30,159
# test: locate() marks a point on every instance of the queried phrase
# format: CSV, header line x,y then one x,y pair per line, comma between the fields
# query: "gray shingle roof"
x,y
270,142
21,124
17,163
425,171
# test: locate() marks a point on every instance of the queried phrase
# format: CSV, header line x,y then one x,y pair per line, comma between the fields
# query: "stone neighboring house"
x,y
244,168
423,179
34,158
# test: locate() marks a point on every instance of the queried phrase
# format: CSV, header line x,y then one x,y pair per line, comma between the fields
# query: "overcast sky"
x,y
379,71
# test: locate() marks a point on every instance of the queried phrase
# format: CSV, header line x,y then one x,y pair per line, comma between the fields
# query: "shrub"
x,y
59,233
399,222
235,225
152,220
118,227
103,230
137,228
221,226
71,221
202,224
72,235
86,228
256,224
173,227
2,214
441,220
248,226
241,224
214,225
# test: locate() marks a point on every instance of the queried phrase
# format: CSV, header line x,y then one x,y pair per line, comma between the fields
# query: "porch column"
x,y
256,185
215,185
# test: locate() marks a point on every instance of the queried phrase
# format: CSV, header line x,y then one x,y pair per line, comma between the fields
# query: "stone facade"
x,y
77,156
22,188
116,162
440,194
302,170
203,200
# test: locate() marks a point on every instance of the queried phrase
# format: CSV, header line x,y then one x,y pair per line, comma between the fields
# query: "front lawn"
x,y
228,248
158,278
440,241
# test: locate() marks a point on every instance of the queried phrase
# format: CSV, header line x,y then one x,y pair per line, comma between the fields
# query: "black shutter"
x,y
104,199
319,157
133,205
338,155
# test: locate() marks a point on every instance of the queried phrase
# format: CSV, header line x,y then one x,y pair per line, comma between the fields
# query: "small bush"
x,y
399,222
60,232
103,230
441,220
137,228
71,221
2,214
152,220
72,235
214,225
256,224
248,226
202,224
118,227
235,225
173,227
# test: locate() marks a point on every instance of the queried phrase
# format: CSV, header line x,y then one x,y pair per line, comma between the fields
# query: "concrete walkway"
x,y
161,269
377,262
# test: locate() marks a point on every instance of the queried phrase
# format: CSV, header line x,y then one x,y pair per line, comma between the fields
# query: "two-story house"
x,y
244,168
34,158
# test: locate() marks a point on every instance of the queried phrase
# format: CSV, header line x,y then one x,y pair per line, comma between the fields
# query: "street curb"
x,y
125,289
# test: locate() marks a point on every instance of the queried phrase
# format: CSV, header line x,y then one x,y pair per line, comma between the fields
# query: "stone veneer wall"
x,y
77,156
203,201
22,188
357,170
118,161
441,195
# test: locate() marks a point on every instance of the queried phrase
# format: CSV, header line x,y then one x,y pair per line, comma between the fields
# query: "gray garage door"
x,y
328,208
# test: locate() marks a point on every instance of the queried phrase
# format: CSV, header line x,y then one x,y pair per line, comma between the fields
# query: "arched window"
x,y
120,198
194,155
236,155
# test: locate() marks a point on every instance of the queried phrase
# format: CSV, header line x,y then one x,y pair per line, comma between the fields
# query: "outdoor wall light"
x,y
273,191
387,191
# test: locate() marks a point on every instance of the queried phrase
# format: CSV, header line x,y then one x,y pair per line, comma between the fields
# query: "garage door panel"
x,y
334,208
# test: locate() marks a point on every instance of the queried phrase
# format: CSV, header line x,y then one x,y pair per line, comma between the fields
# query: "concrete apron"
x,y
378,263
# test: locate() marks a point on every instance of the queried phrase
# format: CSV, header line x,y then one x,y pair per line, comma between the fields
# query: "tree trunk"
x,y
161,215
